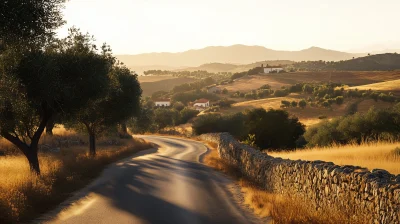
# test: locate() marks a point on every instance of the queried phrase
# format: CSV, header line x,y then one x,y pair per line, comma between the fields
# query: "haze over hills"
x,y
225,67
236,54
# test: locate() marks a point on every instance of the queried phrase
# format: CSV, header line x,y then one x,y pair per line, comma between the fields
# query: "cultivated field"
x,y
308,115
154,78
24,196
151,84
378,155
284,79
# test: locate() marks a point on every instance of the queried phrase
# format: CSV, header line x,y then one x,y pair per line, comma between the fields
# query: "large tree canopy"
x,y
29,20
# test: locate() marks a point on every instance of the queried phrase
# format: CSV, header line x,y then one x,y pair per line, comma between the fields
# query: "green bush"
x,y
186,114
210,123
281,92
224,103
302,103
373,125
285,103
272,129
266,86
339,100
293,104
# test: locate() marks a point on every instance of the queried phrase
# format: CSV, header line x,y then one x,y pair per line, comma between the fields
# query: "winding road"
x,y
167,185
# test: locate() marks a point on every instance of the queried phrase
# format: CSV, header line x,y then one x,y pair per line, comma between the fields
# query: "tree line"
x,y
378,62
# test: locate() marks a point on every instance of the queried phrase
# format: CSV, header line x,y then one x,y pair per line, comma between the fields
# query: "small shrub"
x,y
396,151
302,104
285,104
339,100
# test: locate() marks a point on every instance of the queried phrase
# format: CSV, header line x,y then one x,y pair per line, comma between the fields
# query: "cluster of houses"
x,y
200,104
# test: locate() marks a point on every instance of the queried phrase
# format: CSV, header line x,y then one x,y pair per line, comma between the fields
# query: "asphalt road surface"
x,y
168,185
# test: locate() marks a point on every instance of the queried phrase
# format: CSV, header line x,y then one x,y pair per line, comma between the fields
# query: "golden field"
x,y
152,84
376,155
24,196
387,86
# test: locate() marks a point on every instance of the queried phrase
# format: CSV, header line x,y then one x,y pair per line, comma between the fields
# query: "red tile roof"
x,y
201,101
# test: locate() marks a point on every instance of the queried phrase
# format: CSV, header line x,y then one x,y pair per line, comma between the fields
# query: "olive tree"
x,y
42,83
121,102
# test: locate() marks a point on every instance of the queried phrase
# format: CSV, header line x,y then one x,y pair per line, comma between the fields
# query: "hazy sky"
x,y
142,26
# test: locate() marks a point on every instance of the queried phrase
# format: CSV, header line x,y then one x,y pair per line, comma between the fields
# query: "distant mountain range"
x,y
236,54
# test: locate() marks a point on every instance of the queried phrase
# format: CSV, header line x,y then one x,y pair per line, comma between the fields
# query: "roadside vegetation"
x,y
24,196
47,81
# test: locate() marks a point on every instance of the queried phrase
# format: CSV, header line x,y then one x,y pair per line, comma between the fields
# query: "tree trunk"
x,y
123,132
32,156
92,143
49,127
124,129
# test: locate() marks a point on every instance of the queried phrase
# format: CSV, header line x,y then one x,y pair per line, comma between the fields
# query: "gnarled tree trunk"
x,y
32,156
30,151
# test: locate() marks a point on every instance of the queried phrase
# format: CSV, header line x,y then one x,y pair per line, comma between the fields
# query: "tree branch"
x,y
16,141
46,117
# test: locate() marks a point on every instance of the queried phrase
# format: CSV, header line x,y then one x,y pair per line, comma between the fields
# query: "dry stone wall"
x,y
370,195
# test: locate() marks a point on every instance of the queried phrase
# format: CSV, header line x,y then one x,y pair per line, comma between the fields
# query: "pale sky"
x,y
143,26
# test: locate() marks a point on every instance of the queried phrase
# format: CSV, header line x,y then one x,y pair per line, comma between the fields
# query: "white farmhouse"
x,y
201,103
163,103
270,69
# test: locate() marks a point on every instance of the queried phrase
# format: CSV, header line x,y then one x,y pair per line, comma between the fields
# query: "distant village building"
x,y
201,104
213,89
269,69
163,102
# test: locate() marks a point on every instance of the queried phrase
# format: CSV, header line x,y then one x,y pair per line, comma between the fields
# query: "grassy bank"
x,y
376,155
282,209
24,196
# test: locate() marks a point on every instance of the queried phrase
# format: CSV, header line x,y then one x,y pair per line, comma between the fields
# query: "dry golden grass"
x,y
283,209
24,196
378,155
387,86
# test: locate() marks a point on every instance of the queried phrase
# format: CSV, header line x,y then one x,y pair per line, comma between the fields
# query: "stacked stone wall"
x,y
369,195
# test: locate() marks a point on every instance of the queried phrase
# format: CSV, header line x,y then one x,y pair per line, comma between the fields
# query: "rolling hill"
x,y
378,62
224,67
236,54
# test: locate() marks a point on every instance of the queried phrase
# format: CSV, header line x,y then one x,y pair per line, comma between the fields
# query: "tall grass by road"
x,y
24,196
374,155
